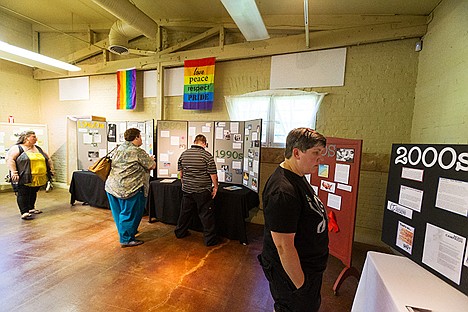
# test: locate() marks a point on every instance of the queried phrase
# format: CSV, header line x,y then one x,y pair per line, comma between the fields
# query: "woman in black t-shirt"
x,y
295,249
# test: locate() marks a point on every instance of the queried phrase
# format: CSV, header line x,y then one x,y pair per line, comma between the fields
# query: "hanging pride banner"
x,y
199,83
126,89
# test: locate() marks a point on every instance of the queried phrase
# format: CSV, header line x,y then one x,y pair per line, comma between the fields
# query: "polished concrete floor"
x,y
68,259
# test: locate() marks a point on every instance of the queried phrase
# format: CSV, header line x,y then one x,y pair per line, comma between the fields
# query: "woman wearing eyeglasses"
x,y
295,245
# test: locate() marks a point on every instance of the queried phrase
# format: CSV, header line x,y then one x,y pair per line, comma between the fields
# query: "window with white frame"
x,y
280,111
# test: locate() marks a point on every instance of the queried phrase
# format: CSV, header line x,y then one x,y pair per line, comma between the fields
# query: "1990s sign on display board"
x,y
426,213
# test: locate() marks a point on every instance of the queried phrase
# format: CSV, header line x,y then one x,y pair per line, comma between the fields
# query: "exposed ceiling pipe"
x,y
132,19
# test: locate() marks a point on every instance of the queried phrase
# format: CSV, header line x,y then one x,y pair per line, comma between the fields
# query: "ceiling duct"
x,y
119,35
133,22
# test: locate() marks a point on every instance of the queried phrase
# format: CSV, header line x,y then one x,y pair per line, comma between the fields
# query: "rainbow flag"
x,y
126,89
199,83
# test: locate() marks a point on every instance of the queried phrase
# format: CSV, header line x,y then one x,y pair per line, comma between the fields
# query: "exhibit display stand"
x,y
91,137
426,208
336,183
235,146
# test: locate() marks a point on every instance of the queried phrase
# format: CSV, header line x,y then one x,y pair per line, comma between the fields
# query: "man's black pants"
x,y
203,204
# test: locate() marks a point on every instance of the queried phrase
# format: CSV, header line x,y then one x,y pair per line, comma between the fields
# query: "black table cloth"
x,y
232,207
88,188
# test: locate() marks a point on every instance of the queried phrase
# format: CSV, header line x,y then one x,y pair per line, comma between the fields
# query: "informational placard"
x,y
336,183
426,208
172,141
9,134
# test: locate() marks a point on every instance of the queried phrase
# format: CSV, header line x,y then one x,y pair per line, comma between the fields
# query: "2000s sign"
x,y
446,158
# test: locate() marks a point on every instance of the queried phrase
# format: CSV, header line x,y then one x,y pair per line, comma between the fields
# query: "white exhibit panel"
x,y
74,89
324,68
150,83
171,142
174,81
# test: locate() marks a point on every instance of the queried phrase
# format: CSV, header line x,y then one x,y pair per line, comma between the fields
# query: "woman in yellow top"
x,y
30,168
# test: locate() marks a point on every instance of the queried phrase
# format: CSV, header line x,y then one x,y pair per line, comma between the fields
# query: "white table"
x,y
390,283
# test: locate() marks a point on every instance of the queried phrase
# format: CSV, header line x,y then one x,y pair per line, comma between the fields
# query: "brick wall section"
x,y
19,94
441,104
376,106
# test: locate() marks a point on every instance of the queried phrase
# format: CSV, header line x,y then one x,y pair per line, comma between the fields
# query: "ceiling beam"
x,y
319,40
196,39
272,22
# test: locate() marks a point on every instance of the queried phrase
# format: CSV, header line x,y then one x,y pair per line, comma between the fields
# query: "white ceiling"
x,y
67,14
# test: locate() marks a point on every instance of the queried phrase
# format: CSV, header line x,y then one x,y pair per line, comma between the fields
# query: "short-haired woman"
x,y
30,168
127,186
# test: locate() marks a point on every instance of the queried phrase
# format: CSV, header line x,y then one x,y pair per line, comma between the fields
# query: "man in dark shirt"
x,y
199,185
295,245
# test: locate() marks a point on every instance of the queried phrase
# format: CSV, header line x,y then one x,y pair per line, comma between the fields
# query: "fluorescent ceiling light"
x,y
32,59
247,17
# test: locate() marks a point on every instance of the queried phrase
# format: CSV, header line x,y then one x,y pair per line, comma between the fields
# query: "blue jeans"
x,y
127,214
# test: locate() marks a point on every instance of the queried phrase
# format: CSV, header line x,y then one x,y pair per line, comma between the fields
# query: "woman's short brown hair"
x,y
303,139
131,134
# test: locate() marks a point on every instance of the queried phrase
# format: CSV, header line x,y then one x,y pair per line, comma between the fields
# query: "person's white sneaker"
x,y
49,186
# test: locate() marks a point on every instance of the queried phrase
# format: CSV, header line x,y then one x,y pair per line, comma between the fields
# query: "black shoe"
x,y
184,235
213,242
132,243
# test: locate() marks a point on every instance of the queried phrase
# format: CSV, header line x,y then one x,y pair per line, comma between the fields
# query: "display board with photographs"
x,y
252,149
336,182
171,142
91,142
426,208
228,150
116,130
235,146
